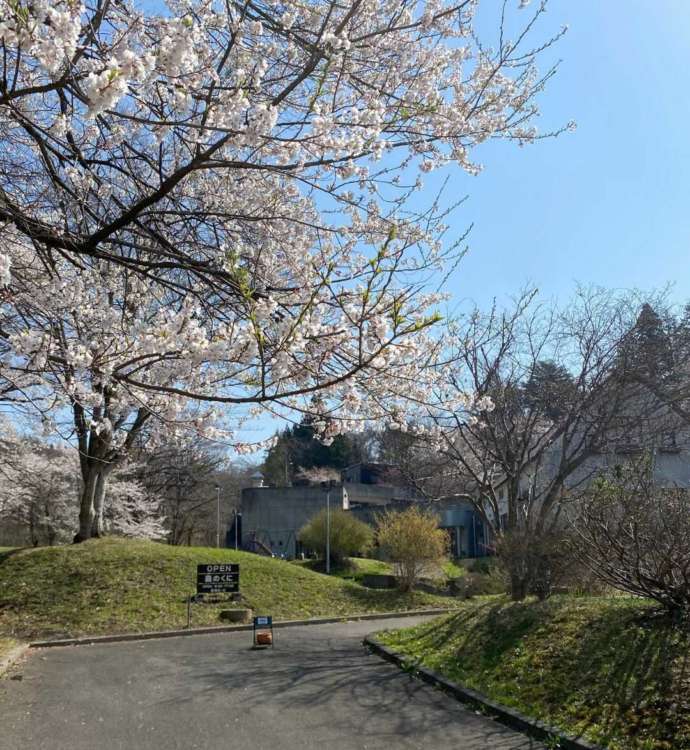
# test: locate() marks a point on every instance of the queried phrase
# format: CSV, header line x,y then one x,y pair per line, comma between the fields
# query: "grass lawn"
x,y
6,645
116,585
605,668
361,566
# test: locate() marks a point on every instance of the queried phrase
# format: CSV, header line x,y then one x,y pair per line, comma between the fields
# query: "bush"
x,y
348,535
483,565
412,540
539,562
635,537
478,584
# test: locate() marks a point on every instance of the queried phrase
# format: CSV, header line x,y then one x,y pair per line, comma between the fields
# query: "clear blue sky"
x,y
609,203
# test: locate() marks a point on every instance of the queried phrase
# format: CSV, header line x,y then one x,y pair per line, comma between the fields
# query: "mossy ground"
x,y
116,586
610,669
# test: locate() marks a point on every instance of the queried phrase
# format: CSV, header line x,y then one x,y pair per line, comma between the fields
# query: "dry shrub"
x,y
635,537
413,541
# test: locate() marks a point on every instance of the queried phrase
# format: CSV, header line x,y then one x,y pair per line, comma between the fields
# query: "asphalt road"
x,y
318,688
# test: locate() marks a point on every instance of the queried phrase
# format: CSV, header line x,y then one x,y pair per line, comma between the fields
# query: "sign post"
x,y
214,578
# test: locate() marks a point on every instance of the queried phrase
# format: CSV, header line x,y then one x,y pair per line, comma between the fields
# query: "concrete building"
x,y
272,516
469,533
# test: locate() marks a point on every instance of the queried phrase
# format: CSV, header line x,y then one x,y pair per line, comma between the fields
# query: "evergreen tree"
x,y
549,389
297,449
647,351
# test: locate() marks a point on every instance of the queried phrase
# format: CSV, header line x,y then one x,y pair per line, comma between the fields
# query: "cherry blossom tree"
x,y
39,494
204,212
38,489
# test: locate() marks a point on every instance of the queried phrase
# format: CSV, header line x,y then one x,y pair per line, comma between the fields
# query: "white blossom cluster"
x,y
5,268
40,491
206,212
49,30
100,340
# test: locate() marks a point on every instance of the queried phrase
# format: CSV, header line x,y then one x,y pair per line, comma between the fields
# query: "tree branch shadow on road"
x,y
352,691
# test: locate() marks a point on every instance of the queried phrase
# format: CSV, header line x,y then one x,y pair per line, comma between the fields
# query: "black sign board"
x,y
264,621
218,578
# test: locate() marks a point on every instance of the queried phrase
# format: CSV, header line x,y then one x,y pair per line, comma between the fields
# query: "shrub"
x,y
478,584
635,537
483,565
539,562
412,540
347,535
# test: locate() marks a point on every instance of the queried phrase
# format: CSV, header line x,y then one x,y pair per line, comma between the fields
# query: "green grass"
x,y
6,645
358,567
115,585
453,570
606,668
355,569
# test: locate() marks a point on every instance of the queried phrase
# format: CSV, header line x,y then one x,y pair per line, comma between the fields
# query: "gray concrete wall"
x,y
377,494
274,515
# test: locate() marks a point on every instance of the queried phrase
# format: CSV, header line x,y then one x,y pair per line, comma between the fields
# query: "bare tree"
x,y
189,478
548,400
635,535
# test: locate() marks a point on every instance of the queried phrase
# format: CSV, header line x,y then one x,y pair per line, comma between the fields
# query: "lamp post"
x,y
217,515
328,530
237,518
328,485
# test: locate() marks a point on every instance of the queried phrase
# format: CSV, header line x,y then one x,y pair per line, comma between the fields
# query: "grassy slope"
x,y
113,585
603,667
361,566
6,645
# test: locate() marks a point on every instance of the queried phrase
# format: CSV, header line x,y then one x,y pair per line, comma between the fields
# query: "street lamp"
x,y
328,486
217,515
238,515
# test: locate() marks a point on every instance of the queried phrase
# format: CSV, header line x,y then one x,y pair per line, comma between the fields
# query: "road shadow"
x,y
338,687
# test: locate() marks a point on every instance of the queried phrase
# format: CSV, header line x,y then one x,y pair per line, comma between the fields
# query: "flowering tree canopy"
x,y
39,494
209,205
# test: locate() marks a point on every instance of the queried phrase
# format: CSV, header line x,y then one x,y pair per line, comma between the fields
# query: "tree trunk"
x,y
32,526
518,587
98,505
86,509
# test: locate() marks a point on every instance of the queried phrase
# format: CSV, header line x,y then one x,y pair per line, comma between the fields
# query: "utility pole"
x,y
217,515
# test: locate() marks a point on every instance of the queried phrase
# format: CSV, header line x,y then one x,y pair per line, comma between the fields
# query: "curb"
x,y
211,630
11,657
508,716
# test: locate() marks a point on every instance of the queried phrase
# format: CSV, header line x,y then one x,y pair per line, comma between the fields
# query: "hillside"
x,y
358,567
116,586
606,667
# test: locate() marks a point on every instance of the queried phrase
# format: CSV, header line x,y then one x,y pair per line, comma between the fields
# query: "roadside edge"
x,y
11,657
211,630
510,717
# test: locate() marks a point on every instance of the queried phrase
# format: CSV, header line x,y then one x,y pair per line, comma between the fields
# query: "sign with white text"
x,y
218,578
